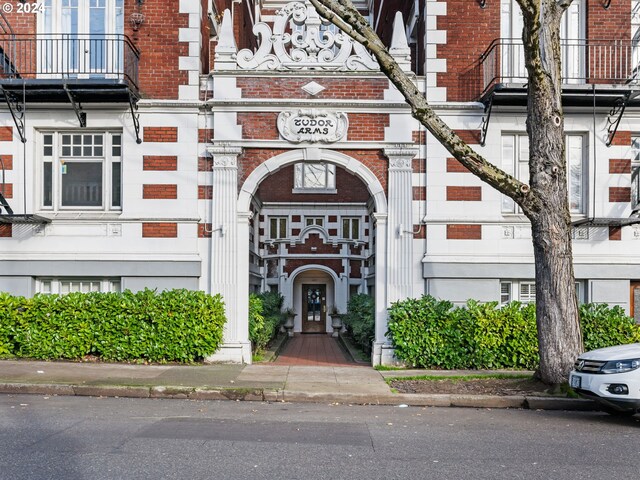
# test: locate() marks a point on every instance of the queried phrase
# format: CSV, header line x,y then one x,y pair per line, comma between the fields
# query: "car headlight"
x,y
621,366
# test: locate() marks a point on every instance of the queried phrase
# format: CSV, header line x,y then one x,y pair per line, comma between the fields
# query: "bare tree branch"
x,y
347,18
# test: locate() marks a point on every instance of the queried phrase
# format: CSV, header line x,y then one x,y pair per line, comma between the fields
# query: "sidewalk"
x,y
258,382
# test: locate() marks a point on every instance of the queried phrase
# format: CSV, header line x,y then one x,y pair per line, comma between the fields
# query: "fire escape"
x,y
71,69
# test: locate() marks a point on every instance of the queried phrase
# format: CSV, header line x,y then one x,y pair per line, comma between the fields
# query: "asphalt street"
x,y
124,438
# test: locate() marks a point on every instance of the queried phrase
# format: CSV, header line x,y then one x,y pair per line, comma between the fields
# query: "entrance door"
x,y
314,308
635,301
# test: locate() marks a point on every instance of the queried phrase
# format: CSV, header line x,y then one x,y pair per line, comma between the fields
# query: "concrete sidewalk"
x,y
258,382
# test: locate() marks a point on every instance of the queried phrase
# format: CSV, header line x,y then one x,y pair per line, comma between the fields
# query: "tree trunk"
x,y
559,336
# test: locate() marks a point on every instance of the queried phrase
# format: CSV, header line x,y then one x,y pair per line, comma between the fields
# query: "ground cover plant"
x,y
171,326
431,333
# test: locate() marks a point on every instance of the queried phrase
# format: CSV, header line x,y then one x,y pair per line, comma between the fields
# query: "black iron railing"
x,y
69,56
583,62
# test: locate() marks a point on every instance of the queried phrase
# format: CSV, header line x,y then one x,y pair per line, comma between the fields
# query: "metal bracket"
x,y
484,127
16,107
133,104
616,113
4,204
77,107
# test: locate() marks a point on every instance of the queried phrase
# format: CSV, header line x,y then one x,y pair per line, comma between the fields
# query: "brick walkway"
x,y
313,349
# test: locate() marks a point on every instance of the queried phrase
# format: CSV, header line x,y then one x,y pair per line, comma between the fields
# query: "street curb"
x,y
276,395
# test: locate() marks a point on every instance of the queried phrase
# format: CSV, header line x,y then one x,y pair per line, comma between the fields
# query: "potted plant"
x,y
289,316
336,321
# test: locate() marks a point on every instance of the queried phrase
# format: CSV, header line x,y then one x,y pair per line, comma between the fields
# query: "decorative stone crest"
x,y
302,40
312,126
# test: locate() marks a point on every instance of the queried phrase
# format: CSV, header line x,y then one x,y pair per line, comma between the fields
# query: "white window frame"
x,y
314,221
301,170
515,162
64,285
281,225
524,291
347,232
72,54
111,146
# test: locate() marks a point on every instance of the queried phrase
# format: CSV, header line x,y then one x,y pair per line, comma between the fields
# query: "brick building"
x,y
239,146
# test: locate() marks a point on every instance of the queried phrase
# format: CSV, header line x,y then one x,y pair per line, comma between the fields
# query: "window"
x,y
515,161
524,292
277,227
319,221
351,228
319,177
71,285
81,171
79,37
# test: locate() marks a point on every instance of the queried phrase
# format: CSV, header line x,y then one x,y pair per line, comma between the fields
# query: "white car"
x,y
611,377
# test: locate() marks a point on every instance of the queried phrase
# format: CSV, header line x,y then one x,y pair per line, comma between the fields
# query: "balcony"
x,y
98,68
605,69
68,68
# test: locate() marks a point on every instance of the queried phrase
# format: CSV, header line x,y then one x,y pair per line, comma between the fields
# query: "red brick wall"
x,y
205,135
614,23
6,134
471,194
160,134
7,161
160,230
622,138
464,232
469,30
6,190
259,125
205,192
619,194
334,264
278,187
160,162
6,230
159,191
157,40
619,165
335,88
419,193
454,166
205,164
615,233
373,159
366,126
204,230
314,241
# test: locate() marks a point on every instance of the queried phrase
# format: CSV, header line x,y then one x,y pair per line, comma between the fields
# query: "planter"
x,y
336,323
289,323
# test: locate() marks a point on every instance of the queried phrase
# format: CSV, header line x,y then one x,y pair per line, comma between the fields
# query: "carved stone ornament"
x,y
312,126
301,40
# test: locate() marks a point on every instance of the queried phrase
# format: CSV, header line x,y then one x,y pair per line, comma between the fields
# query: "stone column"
x,y
400,223
229,249
380,343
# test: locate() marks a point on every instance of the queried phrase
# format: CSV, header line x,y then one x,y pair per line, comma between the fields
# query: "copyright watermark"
x,y
26,7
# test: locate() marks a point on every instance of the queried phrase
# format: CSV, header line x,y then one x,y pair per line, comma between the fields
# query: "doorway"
x,y
314,308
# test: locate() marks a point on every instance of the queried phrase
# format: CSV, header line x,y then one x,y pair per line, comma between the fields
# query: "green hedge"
x,y
264,318
430,333
360,320
172,326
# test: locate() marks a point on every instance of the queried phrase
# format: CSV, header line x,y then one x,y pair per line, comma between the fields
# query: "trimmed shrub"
x,y
360,320
604,326
172,326
264,318
430,333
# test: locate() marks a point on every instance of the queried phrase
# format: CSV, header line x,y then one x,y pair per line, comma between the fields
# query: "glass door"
x,y
314,308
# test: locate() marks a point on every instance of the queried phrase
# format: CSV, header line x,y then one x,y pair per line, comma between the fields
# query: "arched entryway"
x,y
319,242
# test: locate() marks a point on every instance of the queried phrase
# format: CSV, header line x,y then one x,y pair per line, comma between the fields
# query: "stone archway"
x,y
353,166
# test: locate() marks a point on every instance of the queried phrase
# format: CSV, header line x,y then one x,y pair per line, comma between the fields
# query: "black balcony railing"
x,y
69,56
583,62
